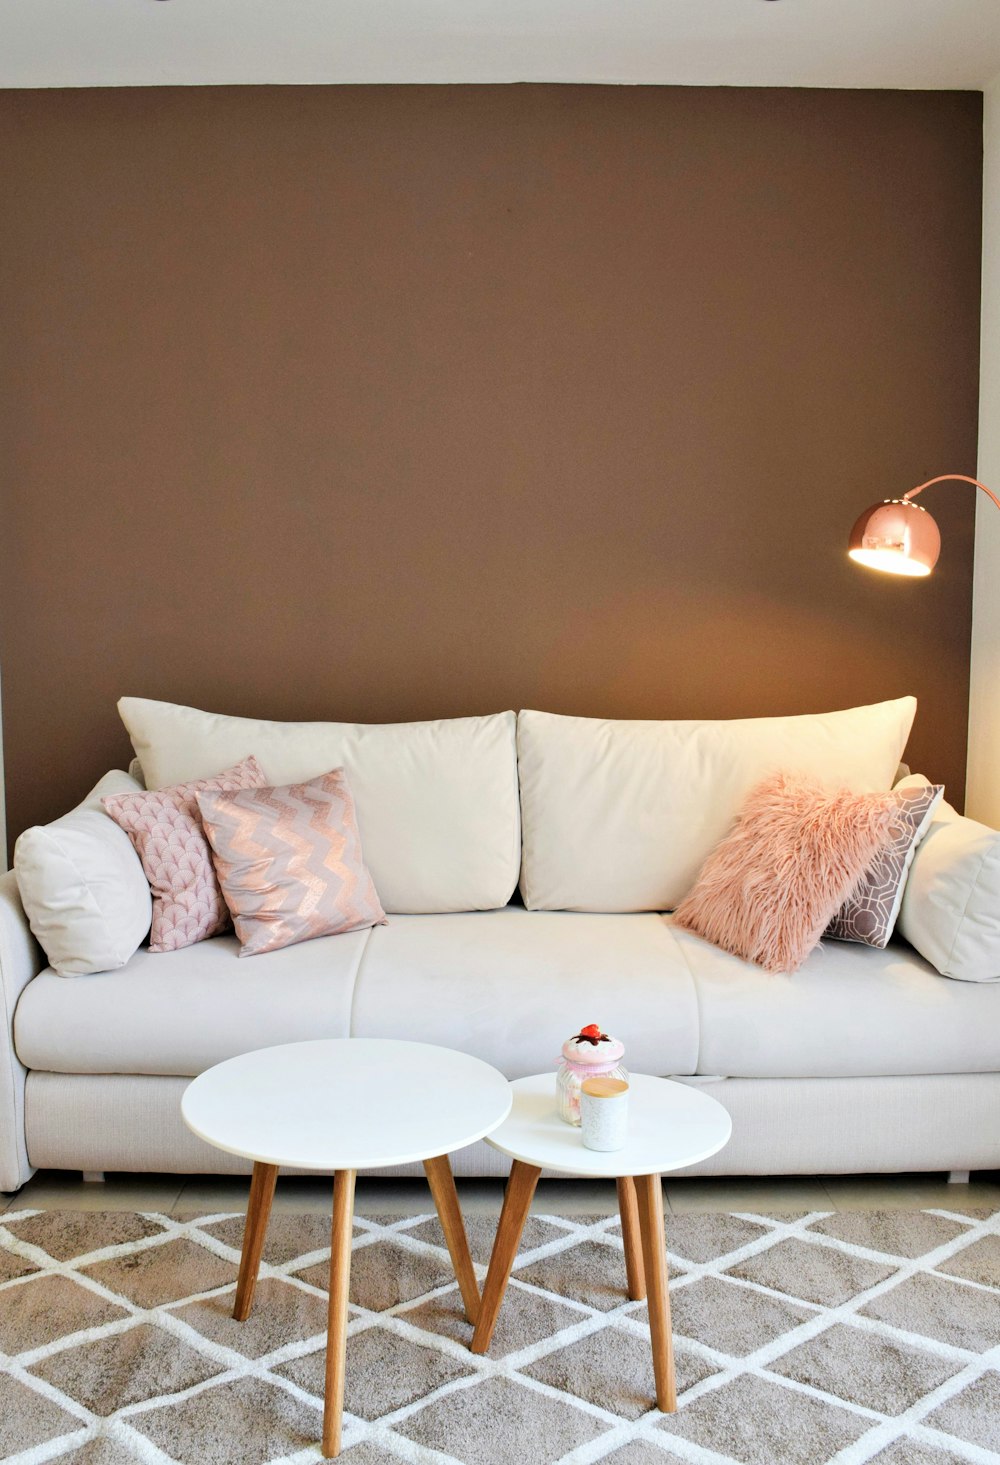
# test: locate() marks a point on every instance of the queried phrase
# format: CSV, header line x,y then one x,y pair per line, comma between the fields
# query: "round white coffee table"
x,y
341,1105
671,1126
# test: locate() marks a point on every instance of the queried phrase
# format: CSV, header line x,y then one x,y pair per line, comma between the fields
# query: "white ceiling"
x,y
839,43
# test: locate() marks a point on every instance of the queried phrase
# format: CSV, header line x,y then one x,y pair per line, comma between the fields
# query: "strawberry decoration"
x,y
591,1034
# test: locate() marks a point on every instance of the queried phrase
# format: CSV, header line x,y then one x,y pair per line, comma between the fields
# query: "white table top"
x,y
346,1103
670,1125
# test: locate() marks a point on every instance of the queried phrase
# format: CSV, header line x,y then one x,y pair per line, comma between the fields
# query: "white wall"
x,y
983,795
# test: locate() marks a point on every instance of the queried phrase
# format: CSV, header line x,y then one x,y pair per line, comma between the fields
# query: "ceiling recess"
x,y
826,43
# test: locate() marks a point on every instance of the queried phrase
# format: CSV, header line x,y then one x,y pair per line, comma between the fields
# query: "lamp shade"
x,y
897,536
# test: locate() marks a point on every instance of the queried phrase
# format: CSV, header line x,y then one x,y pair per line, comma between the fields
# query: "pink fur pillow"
x,y
770,889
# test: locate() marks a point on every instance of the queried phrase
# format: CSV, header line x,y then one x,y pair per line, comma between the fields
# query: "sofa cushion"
x,y
289,862
870,912
620,816
951,904
437,802
82,885
166,830
849,1011
510,986
767,892
507,986
181,1011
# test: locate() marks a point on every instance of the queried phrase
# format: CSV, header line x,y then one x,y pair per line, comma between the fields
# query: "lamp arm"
x,y
956,477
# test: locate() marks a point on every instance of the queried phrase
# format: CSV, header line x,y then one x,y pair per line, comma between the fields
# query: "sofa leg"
x,y
93,1177
958,1177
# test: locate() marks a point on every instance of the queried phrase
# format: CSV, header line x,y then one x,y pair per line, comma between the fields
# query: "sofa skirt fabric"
x,y
780,1127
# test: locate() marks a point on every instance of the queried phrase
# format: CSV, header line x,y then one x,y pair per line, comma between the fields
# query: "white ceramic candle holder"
x,y
604,1113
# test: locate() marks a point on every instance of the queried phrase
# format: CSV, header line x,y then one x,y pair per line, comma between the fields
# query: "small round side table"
x,y
671,1125
341,1105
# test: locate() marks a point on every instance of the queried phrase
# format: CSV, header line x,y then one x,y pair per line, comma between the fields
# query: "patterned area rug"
x,y
800,1340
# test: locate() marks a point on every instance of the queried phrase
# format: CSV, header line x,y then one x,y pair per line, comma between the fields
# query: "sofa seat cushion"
x,y
179,1012
510,985
849,1011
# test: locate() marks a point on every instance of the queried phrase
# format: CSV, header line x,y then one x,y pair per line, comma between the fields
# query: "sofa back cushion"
x,y
82,886
620,816
436,802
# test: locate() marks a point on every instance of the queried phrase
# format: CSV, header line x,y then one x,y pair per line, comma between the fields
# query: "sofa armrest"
x,y
21,958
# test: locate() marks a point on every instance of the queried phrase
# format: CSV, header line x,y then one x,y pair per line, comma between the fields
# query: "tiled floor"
x,y
172,1193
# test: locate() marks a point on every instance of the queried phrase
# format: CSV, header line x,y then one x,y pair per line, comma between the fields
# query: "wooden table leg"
x,y
336,1331
649,1194
442,1184
628,1209
516,1201
254,1234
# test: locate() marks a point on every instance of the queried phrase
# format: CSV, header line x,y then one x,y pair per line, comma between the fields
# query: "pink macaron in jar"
x,y
591,1053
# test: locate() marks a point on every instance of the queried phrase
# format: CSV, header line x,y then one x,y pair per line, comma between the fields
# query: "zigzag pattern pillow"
x,y
289,862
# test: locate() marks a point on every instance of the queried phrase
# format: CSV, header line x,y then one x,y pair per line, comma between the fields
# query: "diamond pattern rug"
x,y
872,1336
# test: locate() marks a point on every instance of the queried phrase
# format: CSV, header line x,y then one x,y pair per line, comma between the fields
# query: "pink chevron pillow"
x,y
165,827
769,890
289,862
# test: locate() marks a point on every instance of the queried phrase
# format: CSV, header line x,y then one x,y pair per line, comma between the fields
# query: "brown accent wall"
x,y
403,402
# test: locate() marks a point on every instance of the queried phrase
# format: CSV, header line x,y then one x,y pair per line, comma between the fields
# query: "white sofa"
x,y
864,1060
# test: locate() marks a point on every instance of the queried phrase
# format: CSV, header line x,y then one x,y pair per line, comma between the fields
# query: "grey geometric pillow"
x,y
869,913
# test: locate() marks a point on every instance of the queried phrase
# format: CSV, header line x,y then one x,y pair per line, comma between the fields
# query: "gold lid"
x,y
604,1088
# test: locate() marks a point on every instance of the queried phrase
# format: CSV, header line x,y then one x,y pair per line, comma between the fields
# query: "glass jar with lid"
x,y
591,1053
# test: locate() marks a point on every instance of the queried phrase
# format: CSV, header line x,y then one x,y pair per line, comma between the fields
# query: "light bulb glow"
x,y
890,562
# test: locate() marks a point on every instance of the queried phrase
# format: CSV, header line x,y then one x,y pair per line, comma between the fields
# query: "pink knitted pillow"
x,y
769,890
165,827
289,862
